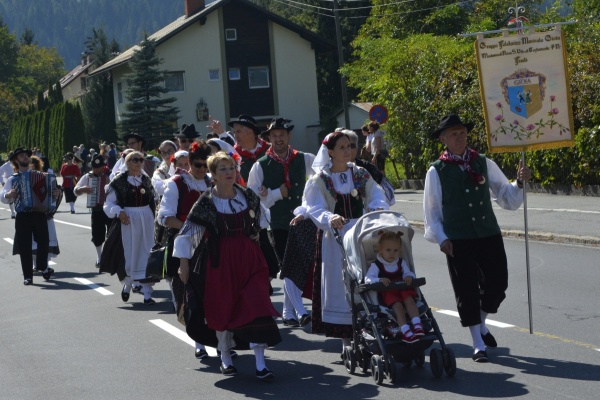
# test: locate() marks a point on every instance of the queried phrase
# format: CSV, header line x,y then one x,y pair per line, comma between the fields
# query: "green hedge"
x,y
54,130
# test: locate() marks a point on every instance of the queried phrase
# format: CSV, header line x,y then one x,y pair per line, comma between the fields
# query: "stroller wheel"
x,y
349,359
392,369
449,360
365,358
377,368
420,359
436,362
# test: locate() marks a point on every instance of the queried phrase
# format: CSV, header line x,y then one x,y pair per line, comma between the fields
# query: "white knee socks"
x,y
478,344
259,354
99,253
484,329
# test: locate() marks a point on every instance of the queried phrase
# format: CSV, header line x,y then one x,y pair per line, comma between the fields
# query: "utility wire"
x,y
411,11
303,9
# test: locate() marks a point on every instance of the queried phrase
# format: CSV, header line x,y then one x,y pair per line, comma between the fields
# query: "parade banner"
x,y
525,91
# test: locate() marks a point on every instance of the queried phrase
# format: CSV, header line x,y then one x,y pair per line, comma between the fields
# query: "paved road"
x,y
550,217
73,337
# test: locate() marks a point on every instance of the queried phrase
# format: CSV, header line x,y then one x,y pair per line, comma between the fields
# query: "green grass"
x,y
390,173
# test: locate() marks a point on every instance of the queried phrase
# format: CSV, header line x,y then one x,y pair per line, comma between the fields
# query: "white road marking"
x,y
51,263
181,335
92,285
72,224
9,240
570,210
487,321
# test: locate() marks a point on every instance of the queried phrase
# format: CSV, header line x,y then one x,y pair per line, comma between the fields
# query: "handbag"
x,y
157,263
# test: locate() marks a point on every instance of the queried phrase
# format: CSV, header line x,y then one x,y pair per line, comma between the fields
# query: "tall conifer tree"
x,y
148,113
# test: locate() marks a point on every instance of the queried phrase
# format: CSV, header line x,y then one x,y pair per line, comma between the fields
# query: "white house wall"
x,y
357,116
295,79
194,51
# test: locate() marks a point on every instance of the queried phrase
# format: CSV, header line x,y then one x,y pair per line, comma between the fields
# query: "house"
x,y
234,57
74,84
358,115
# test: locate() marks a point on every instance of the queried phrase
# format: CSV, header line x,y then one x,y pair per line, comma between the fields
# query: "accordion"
x,y
97,197
34,191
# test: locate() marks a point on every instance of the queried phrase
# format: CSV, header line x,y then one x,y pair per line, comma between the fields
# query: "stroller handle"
x,y
380,287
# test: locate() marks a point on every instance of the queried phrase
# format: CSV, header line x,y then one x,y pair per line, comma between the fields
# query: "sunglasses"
x,y
137,160
167,152
200,165
186,140
129,144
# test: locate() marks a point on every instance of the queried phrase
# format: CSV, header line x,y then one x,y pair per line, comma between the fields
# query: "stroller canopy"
x,y
361,240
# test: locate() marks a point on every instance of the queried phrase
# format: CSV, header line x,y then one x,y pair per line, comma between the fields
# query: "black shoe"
x,y
305,320
232,354
291,322
228,371
47,273
124,295
97,265
72,211
149,301
201,354
489,340
28,281
480,356
136,288
13,216
265,375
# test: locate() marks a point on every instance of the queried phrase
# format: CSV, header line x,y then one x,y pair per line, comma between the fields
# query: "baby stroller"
x,y
372,347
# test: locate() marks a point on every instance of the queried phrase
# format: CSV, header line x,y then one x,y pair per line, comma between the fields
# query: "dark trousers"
x,y
269,253
278,238
100,225
479,276
26,225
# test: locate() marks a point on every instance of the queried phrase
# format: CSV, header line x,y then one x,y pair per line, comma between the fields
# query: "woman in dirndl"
x,y
227,301
336,197
130,200
179,195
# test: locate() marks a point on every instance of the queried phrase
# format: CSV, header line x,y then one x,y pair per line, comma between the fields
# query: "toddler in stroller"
x,y
389,267
377,343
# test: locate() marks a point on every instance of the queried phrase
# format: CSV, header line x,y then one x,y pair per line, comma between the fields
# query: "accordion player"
x,y
35,191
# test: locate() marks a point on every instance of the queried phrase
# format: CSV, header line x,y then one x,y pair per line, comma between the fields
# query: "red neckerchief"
x,y
470,156
248,155
286,163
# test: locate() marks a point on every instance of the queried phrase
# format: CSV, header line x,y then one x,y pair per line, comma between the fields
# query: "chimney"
x,y
193,6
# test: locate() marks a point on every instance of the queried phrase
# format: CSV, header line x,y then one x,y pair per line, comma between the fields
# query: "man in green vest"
x,y
459,217
279,178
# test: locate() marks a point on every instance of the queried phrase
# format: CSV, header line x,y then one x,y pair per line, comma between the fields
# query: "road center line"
x,y
72,224
487,321
178,333
181,335
92,285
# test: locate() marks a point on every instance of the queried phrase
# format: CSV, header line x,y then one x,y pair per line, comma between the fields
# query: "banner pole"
x,y
527,249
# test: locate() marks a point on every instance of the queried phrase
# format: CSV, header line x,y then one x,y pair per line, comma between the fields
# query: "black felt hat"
x,y
248,121
448,121
187,132
135,136
279,123
98,161
17,151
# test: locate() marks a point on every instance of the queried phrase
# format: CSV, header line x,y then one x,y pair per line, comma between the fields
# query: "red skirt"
x,y
237,290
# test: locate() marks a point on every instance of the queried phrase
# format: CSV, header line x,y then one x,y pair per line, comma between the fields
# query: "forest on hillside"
x,y
65,24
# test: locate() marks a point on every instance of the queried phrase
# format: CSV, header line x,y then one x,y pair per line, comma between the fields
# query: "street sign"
x,y
378,113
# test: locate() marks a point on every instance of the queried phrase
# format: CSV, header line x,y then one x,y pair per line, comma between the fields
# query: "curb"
x,y
564,190
538,236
